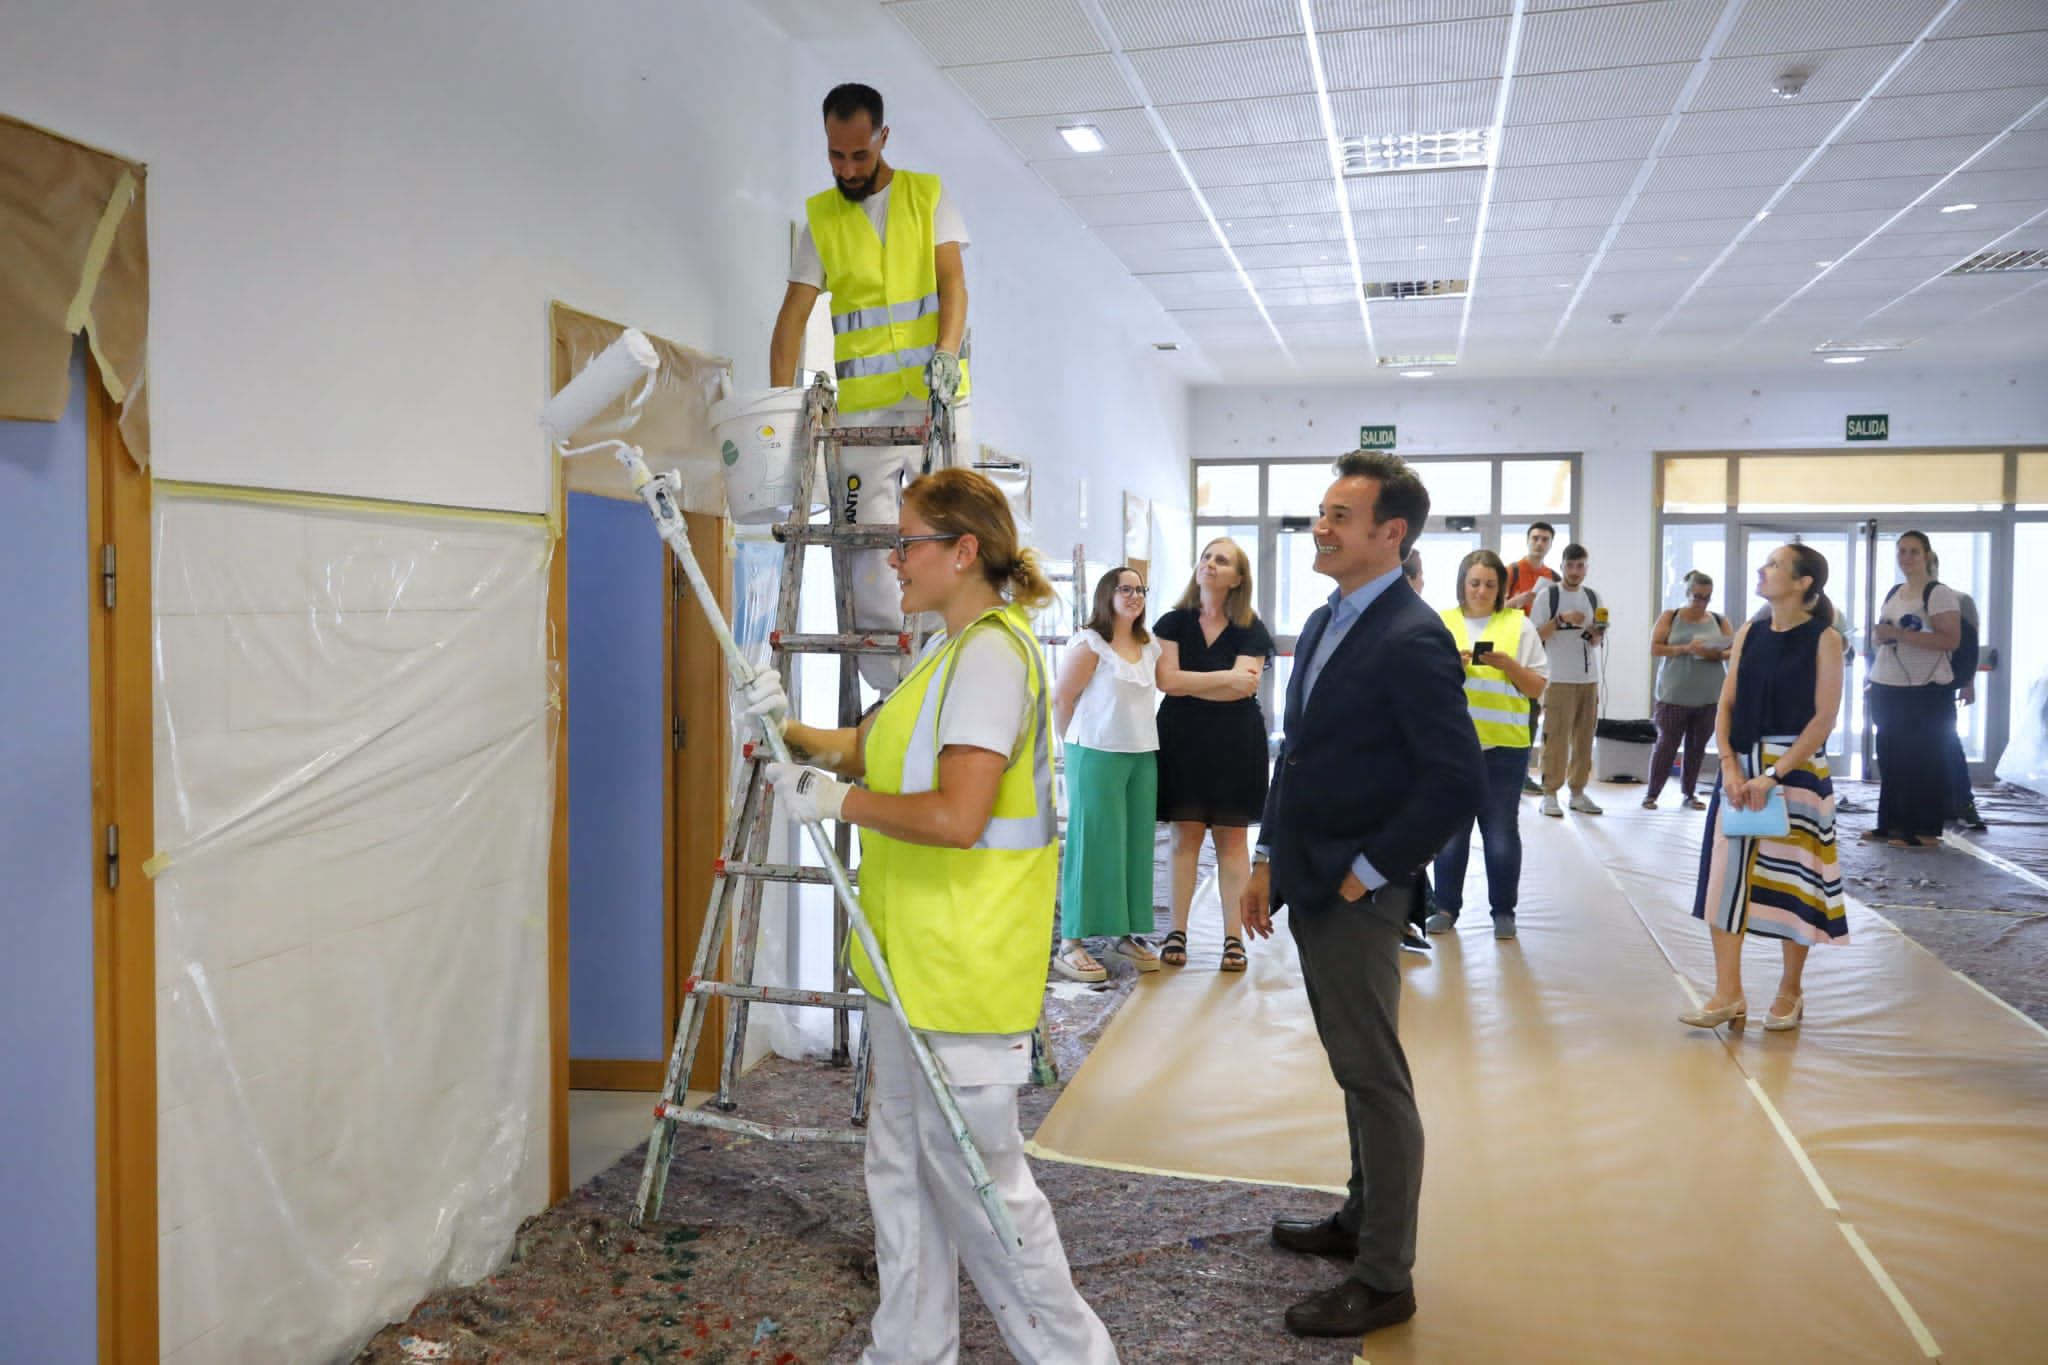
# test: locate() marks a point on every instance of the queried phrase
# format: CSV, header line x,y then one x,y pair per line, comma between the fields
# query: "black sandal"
x,y
1234,959
1173,949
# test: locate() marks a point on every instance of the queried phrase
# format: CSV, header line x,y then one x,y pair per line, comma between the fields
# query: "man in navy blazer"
x,y
1379,768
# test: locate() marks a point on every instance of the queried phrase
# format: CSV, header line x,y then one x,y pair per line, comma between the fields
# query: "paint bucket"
x,y
758,438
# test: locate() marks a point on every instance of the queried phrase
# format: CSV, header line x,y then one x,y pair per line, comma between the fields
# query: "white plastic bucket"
x,y
757,444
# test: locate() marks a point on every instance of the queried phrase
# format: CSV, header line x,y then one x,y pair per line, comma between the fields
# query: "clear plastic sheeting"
x,y
2025,761
354,737
673,428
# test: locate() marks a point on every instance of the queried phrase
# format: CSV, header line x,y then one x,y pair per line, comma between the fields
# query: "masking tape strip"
x,y
98,249
1985,855
1977,986
331,502
156,865
1033,1148
1921,1335
1799,1155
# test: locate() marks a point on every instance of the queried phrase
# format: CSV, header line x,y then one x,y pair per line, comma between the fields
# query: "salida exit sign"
x,y
1871,426
1375,438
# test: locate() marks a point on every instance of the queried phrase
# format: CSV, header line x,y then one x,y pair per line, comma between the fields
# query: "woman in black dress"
x,y
1212,736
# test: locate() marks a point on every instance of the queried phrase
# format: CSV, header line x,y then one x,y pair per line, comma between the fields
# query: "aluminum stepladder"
x,y
742,869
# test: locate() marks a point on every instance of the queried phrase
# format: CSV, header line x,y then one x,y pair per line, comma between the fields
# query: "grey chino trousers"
x,y
1350,962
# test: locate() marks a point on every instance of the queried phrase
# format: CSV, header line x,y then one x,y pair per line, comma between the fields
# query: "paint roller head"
x,y
612,372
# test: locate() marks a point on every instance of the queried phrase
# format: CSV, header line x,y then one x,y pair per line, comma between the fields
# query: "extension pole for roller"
x,y
658,492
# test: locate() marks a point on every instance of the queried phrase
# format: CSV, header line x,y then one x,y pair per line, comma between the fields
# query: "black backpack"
x,y
1962,660
1556,595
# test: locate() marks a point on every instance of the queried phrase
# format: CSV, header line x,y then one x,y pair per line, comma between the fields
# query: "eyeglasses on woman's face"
x,y
903,543
1131,590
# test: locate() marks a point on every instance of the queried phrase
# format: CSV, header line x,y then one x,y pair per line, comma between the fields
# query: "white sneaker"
x,y
1550,806
1584,805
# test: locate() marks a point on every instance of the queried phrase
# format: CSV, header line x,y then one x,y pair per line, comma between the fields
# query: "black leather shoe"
x,y
1314,1237
1352,1309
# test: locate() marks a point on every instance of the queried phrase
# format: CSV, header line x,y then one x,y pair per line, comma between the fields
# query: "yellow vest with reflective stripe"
x,y
966,931
885,293
1499,711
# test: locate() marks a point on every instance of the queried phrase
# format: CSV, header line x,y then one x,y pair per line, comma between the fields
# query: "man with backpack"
x,y
1573,627
1962,800
1525,576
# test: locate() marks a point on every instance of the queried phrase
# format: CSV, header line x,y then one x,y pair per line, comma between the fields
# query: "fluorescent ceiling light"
x,y
1340,167
1459,149
1860,347
1416,362
1843,359
1082,137
1957,208
1417,374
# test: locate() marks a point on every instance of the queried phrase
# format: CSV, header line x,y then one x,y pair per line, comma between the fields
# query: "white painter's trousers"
x,y
928,1219
872,495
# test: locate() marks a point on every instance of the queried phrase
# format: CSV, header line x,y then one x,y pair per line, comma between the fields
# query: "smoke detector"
x,y
1166,345
1617,318
1789,86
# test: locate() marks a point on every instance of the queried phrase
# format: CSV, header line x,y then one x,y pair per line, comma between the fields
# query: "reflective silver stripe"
x,y
889,362
859,320
1499,687
1023,833
915,309
915,358
921,759
1481,713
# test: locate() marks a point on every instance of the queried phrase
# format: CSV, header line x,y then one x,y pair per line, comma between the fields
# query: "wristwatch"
x,y
1772,773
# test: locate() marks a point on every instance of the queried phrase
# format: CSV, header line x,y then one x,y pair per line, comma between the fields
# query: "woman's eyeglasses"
x,y
1126,590
903,543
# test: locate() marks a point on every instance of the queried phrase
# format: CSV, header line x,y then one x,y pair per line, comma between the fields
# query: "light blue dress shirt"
x,y
1345,609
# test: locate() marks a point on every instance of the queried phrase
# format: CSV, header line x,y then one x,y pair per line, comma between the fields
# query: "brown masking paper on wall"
x,y
73,256
1601,1182
673,430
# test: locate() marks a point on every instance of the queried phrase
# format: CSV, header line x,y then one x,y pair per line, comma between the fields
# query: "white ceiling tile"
x,y
1724,170
1171,23
1536,241
1189,286
1415,267
1994,16
1058,85
1414,108
1557,144
1157,237
1292,253
1792,227
1725,202
1249,70
1568,96
1522,286
1616,35
956,34
1488,308
1679,232
1153,261
2019,151
1754,130
1451,191
1624,261
1540,213
1370,224
1818,25
1295,227
1902,272
1365,59
1264,163
1111,174
1978,111
1894,192
1989,218
1271,201
1930,248
1806,250
1038,136
1996,187
1833,78
1989,62
1582,181
1157,206
1916,156
1559,264
1234,123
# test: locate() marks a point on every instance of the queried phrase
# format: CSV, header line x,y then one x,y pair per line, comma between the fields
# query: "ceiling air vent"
x,y
2002,262
1870,346
1458,149
1419,289
1411,362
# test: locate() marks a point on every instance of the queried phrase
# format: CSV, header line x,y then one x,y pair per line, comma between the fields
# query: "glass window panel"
x,y
1696,484
1514,541
1457,487
1296,490
2023,670
1226,490
2033,480
1872,483
1704,548
1297,588
1536,486
1441,551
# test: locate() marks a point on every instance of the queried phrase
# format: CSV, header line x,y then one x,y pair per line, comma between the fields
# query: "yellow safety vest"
x,y
965,930
885,293
1499,711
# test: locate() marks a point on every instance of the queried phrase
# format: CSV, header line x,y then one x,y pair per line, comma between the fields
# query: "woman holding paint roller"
x,y
957,880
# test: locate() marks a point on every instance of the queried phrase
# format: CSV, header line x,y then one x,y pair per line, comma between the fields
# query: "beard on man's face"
x,y
856,189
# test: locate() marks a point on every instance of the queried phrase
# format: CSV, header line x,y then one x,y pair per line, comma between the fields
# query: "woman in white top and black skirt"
x,y
1102,707
1913,700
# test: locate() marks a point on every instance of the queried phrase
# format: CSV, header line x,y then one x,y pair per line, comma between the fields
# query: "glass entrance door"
x,y
1845,544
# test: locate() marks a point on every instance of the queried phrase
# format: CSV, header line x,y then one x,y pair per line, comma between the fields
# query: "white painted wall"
x,y
1618,425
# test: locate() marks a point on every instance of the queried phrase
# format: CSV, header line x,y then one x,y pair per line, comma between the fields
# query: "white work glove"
x,y
808,793
764,697
942,376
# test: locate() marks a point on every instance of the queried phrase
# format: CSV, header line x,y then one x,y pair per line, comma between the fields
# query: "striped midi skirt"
x,y
1785,887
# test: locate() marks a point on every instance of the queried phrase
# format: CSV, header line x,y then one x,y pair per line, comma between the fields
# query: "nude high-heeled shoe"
x,y
1785,1023
1736,1014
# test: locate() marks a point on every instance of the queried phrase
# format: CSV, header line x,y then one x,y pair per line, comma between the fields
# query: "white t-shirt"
x,y
1572,659
1903,665
1118,712
805,266
989,699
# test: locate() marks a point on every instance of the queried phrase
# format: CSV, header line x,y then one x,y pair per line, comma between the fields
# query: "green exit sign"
x,y
1871,426
1375,438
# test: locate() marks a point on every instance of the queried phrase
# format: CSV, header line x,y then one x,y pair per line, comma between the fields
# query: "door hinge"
x,y
113,857
676,732
107,574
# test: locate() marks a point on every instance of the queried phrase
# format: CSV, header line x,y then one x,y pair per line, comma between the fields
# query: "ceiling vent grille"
x,y
1868,347
1459,149
2002,262
1418,289
1411,362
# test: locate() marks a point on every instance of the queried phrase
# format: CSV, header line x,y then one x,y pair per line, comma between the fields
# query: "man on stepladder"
x,y
885,244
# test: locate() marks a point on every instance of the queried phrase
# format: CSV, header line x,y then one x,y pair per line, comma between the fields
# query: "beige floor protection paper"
x,y
1603,1183
1921,1100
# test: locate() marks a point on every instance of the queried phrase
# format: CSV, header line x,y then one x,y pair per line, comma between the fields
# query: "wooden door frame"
x,y
124,917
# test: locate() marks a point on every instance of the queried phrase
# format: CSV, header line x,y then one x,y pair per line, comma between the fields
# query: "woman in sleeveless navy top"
x,y
1778,707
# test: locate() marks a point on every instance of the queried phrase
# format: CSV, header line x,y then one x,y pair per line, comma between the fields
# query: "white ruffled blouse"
x,y
1118,710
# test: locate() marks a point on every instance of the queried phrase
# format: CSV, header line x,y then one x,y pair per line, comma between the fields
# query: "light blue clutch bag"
x,y
1770,821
